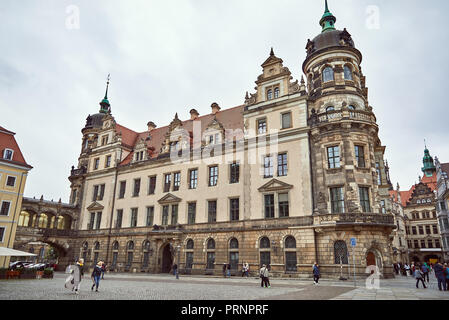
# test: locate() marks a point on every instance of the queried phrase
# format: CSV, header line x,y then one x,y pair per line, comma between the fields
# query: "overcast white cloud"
x,y
170,56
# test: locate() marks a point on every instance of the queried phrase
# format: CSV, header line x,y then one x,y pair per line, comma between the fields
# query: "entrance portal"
x,y
370,259
167,259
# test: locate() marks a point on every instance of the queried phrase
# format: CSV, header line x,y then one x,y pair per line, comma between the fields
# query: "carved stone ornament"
x,y
251,99
294,87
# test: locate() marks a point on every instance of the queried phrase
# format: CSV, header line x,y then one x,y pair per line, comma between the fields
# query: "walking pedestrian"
x,y
78,273
175,271
245,269
407,269
96,276
228,270
103,270
264,275
225,267
412,269
419,277
439,274
316,273
425,270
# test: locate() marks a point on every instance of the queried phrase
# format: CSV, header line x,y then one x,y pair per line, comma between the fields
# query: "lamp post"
x,y
178,248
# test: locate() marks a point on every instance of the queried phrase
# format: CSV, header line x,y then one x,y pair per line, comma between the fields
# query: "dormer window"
x,y
174,146
7,154
328,74
214,138
269,94
104,140
139,156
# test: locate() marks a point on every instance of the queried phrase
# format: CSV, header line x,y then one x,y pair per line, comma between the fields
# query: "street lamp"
x,y
178,248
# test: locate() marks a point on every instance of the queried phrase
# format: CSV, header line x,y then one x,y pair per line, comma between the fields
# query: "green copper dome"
x,y
429,166
328,20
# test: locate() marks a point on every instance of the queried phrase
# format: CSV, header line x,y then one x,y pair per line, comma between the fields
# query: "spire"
x,y
429,166
271,52
328,20
105,105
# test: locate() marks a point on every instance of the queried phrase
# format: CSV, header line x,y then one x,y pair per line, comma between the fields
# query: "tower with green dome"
x,y
429,167
328,20
105,105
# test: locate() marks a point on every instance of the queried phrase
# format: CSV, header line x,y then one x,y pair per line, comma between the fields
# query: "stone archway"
x,y
167,258
374,258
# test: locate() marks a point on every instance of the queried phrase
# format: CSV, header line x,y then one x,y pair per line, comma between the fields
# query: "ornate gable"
x,y
275,185
176,136
95,206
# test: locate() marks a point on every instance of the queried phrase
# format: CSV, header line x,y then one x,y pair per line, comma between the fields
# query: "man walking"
x,y
439,274
316,273
175,270
419,277
96,275
425,271
264,275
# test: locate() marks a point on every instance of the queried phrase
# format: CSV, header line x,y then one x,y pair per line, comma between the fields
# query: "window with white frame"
x,y
4,208
11,181
7,154
2,233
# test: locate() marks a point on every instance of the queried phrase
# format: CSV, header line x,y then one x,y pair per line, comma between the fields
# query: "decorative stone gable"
x,y
169,198
275,185
95,206
175,135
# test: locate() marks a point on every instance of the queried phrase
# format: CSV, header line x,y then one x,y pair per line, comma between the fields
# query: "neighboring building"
x,y
400,243
320,181
442,204
13,174
423,235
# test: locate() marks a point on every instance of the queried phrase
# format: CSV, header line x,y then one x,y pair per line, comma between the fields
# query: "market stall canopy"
x,y
14,253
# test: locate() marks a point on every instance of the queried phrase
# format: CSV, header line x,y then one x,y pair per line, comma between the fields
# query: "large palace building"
x,y
293,176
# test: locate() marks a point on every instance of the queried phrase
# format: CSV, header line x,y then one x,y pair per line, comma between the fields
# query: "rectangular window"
x,y
118,222
122,190
437,243
265,258
108,161
11,181
442,206
101,195
382,207
95,195
212,211
262,126
269,206
174,214
428,230
5,208
421,229
429,244
333,157
92,221
268,167
152,185
165,215
189,260
133,217
435,229
98,222
96,163
210,260
282,164
104,140
286,120
234,204
191,212
337,200
235,172
283,205
213,176
364,199
193,178
150,216
2,233
167,182
409,243
360,156
290,261
234,260
423,244
416,244
7,154
176,181
379,174
136,187
414,230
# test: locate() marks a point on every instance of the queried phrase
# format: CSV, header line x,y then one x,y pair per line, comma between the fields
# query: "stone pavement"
x,y
166,287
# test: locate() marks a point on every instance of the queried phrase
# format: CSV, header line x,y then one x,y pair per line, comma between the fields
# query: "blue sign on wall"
x,y
353,242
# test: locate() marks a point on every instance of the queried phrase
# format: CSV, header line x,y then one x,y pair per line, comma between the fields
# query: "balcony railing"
x,y
356,218
336,115
78,172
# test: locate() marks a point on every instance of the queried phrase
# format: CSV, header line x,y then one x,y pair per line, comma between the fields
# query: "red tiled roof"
x,y
230,119
445,167
431,182
7,141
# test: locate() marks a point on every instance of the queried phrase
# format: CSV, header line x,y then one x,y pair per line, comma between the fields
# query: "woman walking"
x,y
96,275
316,273
78,273
419,277
264,275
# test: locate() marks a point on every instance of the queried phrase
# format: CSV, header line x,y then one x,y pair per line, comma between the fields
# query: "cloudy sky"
x,y
170,56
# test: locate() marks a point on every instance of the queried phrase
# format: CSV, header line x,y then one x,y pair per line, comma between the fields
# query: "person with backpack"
x,y
96,275
264,275
316,273
425,270
419,275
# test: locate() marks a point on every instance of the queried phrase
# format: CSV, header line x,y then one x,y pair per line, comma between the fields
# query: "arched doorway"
x,y
167,259
370,259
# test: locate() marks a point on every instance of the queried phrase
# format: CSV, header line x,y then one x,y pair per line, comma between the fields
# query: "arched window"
x,y
348,73
290,254
264,243
96,252
210,263
97,246
189,244
340,252
211,244
234,253
130,245
43,221
264,251
328,74
276,92
146,254
130,256
24,219
60,223
85,250
269,94
115,245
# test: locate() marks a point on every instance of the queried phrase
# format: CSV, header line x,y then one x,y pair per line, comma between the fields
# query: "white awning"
x,y
15,253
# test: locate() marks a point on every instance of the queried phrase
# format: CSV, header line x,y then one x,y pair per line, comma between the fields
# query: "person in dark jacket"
x,y
316,273
439,274
425,271
78,274
96,275
175,270
103,270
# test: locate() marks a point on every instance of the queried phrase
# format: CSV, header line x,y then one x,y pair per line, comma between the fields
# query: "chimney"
x,y
151,126
194,114
215,108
